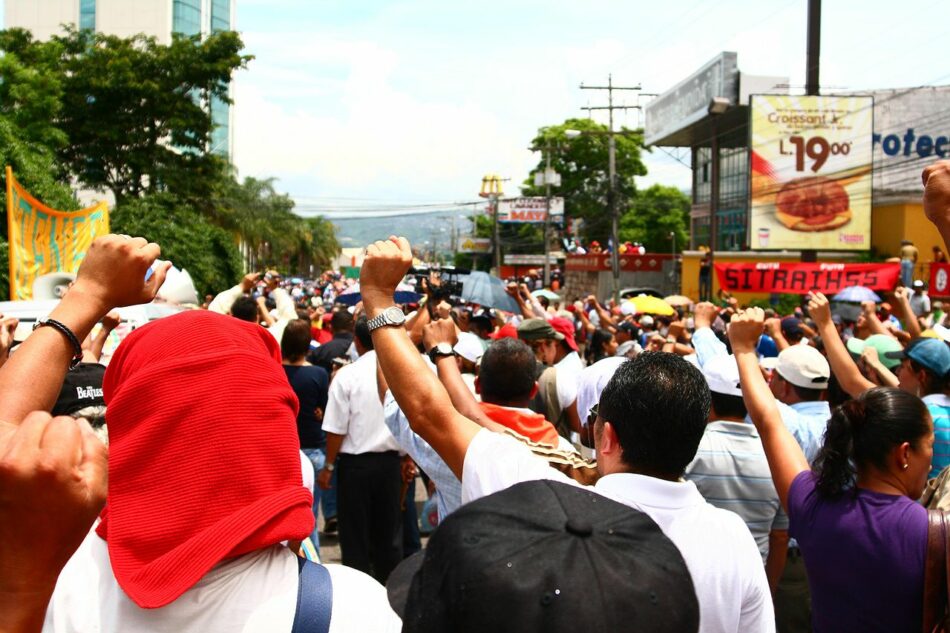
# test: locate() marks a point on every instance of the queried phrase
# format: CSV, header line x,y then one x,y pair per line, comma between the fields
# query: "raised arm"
x,y
786,459
936,179
844,368
905,313
111,275
419,393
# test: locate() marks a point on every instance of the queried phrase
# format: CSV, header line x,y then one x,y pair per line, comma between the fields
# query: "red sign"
x,y
798,278
601,261
939,280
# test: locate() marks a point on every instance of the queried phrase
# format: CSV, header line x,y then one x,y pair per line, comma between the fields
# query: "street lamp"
x,y
548,178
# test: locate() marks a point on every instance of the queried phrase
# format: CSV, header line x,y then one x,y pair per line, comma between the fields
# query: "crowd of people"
x,y
723,469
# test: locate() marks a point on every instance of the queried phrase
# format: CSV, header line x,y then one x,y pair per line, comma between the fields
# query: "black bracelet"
x,y
65,331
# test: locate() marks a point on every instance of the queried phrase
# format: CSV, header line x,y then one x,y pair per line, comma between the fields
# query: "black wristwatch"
x,y
442,349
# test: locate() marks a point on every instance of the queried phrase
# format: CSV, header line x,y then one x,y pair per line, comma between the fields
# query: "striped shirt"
x,y
732,473
939,406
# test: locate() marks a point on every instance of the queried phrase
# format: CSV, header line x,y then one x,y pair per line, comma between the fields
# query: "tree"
x,y
134,112
582,163
188,239
655,213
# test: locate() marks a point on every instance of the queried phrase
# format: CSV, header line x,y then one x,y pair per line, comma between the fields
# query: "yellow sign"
x,y
43,240
810,172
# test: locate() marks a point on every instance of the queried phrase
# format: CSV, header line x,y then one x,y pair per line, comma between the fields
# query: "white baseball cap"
x,y
722,375
469,347
804,367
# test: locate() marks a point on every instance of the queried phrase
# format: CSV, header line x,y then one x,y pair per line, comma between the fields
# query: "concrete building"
x,y
125,18
710,112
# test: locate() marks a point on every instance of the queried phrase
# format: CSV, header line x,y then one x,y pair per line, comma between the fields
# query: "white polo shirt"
x,y
354,410
719,551
568,373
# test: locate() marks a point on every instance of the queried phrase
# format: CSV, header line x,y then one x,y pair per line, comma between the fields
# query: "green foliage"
x,y
188,239
133,113
784,305
654,214
582,163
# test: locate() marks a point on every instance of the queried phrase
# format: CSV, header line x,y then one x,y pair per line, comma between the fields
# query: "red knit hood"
x,y
203,453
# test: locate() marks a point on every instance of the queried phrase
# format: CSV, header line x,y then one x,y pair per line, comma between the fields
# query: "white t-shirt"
x,y
568,373
254,593
354,410
719,551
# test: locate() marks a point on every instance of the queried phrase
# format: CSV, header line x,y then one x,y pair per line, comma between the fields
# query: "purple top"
x,y
864,555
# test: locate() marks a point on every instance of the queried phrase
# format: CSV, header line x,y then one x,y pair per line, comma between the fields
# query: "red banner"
x,y
939,280
799,278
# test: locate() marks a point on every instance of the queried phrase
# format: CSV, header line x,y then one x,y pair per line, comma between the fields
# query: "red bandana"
x,y
203,453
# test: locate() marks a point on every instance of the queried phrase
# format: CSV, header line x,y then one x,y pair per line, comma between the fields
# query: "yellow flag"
x,y
44,240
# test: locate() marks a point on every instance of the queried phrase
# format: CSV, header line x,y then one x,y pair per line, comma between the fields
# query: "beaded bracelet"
x,y
65,331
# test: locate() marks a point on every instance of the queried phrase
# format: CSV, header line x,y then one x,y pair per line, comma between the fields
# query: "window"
x,y
87,15
220,15
221,134
186,17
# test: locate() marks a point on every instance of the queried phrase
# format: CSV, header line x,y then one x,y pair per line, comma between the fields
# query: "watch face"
x,y
444,348
394,315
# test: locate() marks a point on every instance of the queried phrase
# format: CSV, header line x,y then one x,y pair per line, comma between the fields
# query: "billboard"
x,y
810,172
688,101
529,210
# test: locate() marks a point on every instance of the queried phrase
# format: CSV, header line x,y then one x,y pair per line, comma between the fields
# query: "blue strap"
x,y
314,598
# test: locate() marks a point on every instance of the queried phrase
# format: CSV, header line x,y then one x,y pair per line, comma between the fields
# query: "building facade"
x,y
125,18
709,112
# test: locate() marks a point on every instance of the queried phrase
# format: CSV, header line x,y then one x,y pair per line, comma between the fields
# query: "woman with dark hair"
x,y
603,345
311,384
862,535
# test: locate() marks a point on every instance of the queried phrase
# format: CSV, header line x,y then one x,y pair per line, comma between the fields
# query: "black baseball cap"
x,y
82,387
548,557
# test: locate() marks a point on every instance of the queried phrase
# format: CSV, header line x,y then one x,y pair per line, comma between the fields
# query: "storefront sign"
x,y
630,263
529,210
468,244
939,280
799,278
811,172
688,101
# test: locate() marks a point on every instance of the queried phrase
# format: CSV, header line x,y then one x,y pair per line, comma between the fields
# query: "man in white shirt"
x,y
369,478
651,418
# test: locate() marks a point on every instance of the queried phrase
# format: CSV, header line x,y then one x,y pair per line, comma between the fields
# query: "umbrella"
x,y
547,294
404,294
857,294
645,304
491,292
678,300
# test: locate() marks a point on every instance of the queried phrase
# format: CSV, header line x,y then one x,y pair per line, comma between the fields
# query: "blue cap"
x,y
767,347
930,353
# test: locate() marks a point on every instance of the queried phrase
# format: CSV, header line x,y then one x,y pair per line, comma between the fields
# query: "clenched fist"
x,y
385,264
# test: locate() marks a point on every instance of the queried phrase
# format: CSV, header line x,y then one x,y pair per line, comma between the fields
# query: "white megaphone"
x,y
178,288
52,285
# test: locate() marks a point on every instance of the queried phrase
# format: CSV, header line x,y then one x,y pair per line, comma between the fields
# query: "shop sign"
x,y
529,210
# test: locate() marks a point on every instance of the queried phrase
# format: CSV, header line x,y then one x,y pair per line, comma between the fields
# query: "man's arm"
x,y
420,394
705,341
901,306
774,328
775,561
847,373
111,275
936,179
334,441
109,322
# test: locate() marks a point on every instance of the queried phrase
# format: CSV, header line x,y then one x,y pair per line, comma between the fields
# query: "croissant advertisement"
x,y
811,172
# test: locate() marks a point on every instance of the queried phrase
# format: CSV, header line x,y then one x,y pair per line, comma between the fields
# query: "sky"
x,y
366,104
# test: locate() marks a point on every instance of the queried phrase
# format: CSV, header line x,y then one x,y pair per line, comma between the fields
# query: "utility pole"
x,y
612,206
812,85
491,189
547,218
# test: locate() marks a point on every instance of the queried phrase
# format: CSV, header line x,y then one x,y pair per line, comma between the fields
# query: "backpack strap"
x,y
314,598
935,574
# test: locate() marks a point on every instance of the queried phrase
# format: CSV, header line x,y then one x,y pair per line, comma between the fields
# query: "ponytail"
x,y
861,432
833,466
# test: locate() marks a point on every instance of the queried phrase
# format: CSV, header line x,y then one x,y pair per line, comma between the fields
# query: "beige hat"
x,y
804,367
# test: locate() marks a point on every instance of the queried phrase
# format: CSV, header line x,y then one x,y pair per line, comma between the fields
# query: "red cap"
x,y
507,331
201,469
565,327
